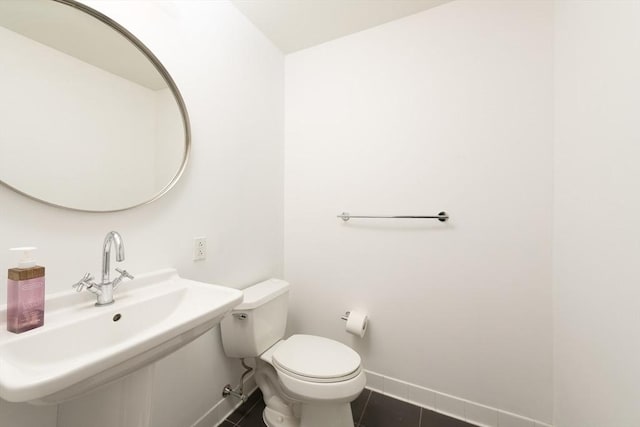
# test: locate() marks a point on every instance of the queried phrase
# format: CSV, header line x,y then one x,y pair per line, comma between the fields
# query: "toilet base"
x,y
274,418
312,415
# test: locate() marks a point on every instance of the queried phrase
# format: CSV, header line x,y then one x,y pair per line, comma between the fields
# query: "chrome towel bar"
x,y
442,216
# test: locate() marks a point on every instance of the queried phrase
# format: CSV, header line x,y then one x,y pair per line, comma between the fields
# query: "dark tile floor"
x,y
370,409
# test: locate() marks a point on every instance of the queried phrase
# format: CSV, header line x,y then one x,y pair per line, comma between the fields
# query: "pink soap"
x,y
25,304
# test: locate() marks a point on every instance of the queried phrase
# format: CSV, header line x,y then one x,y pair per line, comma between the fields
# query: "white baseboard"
x,y
462,409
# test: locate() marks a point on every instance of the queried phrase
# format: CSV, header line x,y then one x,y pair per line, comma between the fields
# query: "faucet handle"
x,y
125,273
86,279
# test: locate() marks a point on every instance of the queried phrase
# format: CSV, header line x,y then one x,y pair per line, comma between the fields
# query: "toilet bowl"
x,y
306,380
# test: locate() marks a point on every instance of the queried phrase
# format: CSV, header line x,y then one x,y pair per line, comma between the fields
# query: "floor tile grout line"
x,y
364,408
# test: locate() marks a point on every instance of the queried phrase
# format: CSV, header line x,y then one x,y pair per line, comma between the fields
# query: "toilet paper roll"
x,y
357,323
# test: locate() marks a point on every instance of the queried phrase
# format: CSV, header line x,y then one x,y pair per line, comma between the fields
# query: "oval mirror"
x,y
90,120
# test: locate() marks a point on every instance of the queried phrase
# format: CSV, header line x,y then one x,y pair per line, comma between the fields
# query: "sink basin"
x,y
81,346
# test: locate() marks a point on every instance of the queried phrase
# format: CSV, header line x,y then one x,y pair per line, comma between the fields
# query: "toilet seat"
x,y
316,359
311,368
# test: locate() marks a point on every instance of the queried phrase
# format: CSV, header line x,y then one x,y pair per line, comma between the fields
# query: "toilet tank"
x,y
258,322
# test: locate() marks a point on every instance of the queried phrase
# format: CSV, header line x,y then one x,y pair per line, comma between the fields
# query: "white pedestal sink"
x,y
81,346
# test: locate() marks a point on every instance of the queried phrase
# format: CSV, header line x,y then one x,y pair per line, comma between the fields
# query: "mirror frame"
x,y
170,83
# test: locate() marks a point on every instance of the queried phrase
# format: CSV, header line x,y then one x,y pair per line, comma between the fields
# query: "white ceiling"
x,y
297,24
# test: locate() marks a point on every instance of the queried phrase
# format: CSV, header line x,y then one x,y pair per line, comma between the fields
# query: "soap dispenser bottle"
x,y
25,293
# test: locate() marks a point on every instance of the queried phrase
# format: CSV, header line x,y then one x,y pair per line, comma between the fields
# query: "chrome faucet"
x,y
104,289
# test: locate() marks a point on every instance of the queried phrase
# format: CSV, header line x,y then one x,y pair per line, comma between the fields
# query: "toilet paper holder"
x,y
345,316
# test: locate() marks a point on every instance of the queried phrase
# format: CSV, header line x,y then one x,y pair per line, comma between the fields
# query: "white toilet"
x,y
306,381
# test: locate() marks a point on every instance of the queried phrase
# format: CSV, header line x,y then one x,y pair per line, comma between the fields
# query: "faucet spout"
x,y
113,237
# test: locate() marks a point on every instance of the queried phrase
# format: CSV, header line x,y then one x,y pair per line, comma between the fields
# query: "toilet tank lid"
x,y
263,292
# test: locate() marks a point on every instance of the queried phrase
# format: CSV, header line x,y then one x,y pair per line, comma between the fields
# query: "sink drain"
x,y
117,317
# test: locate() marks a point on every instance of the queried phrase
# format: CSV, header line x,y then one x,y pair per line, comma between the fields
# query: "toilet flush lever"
x,y
240,316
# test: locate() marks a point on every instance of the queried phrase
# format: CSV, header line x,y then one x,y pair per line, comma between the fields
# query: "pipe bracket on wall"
x,y
442,216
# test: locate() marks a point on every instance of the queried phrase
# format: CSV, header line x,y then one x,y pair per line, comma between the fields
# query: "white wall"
x,y
232,80
449,109
597,206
